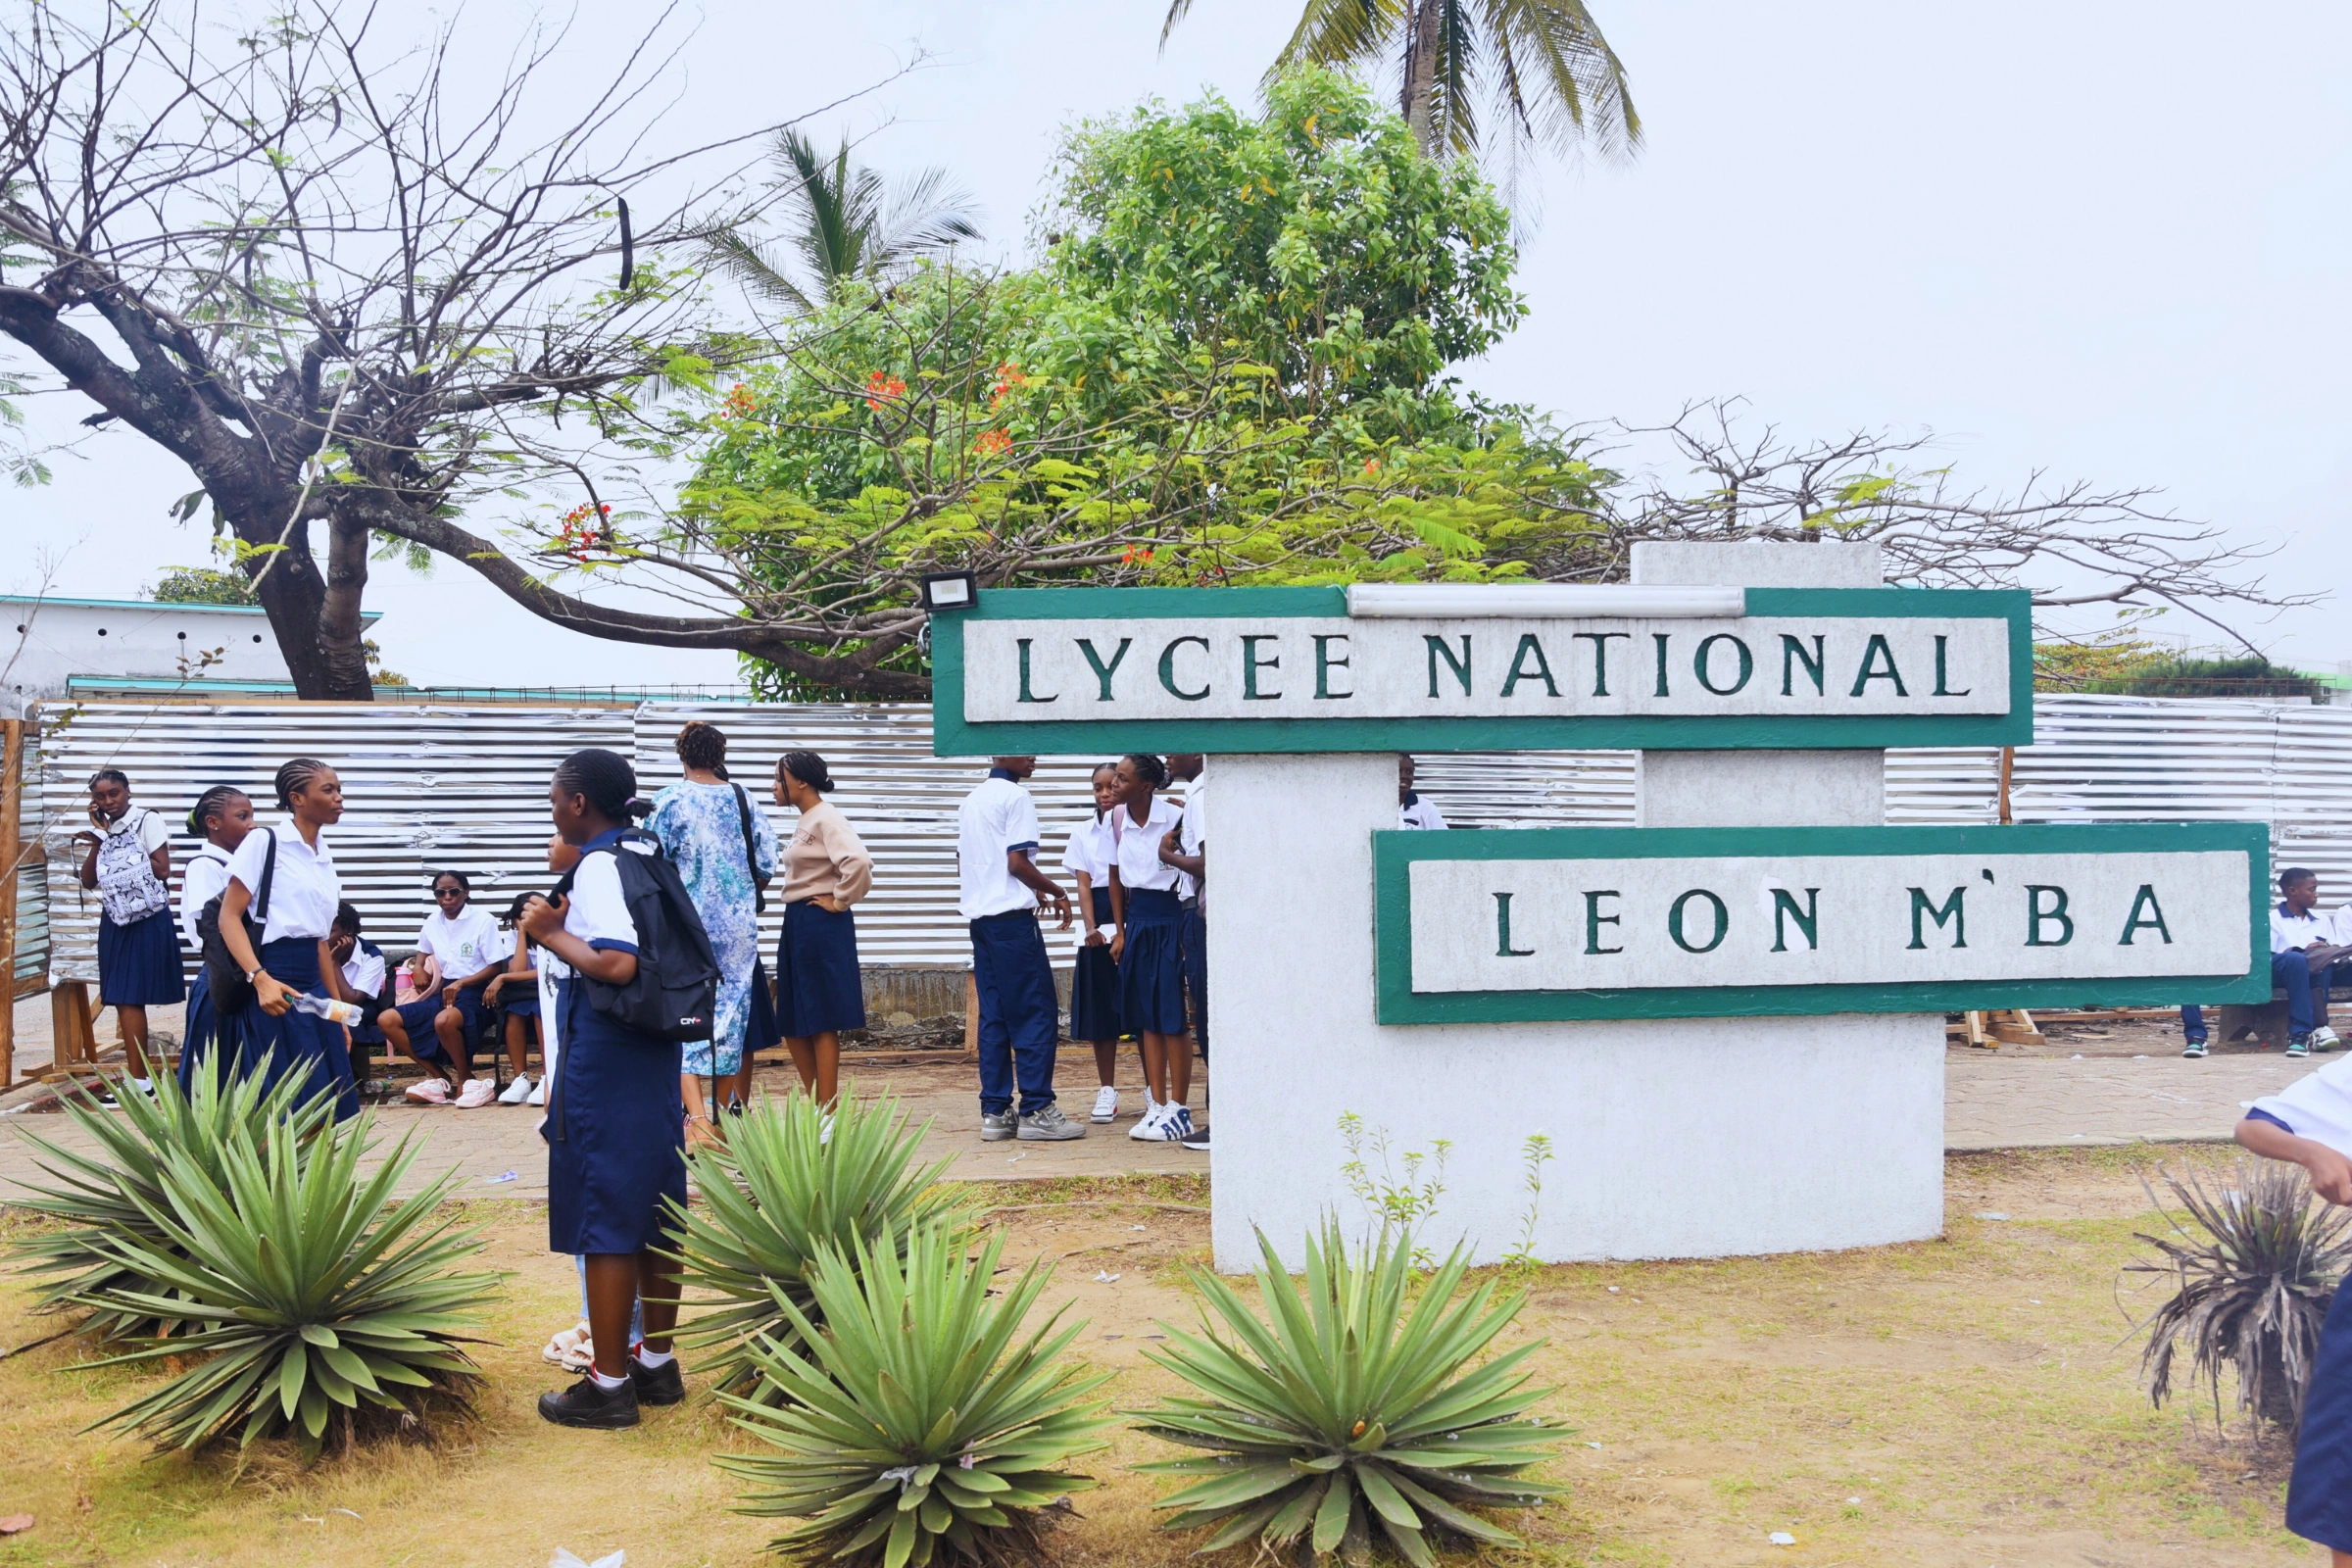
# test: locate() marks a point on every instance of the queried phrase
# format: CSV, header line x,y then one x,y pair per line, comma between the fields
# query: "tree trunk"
x,y
1418,99
321,653
339,622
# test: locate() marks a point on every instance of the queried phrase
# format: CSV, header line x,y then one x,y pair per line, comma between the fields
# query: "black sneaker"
x,y
587,1405
657,1384
1197,1139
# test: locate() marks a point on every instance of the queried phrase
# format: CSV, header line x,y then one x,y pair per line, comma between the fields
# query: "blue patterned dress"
x,y
701,829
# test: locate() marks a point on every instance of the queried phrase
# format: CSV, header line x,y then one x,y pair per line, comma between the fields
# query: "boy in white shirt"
x,y
1020,1016
1415,811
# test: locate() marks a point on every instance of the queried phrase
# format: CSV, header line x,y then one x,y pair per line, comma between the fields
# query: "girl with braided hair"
x,y
221,816
280,1040
129,866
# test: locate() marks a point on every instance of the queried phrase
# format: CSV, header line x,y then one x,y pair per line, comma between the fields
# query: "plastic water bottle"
x,y
333,1012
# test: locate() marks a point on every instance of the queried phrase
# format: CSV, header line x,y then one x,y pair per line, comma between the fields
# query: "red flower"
x,y
740,402
992,444
882,387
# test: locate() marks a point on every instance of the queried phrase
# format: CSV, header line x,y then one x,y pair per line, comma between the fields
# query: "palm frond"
x,y
1557,78
755,266
1345,35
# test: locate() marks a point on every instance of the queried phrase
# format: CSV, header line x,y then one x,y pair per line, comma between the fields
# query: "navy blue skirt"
x,y
139,964
616,1132
416,1018
297,1045
203,1033
2319,1499
1094,986
819,990
1152,965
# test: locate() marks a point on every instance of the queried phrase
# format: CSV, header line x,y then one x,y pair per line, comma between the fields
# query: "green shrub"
x,y
298,1289
113,1194
1357,1407
776,1195
911,1428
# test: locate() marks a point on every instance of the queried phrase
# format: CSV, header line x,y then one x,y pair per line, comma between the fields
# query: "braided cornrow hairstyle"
x,y
606,778
210,803
294,776
1150,769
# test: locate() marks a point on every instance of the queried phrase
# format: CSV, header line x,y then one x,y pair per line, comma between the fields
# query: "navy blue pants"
x,y
1196,973
1021,1017
2306,995
2319,1499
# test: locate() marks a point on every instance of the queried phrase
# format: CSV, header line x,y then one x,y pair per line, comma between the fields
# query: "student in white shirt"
x,y
1415,811
1150,946
283,1032
615,1125
459,950
1185,848
2309,1123
996,838
364,969
1095,984
2297,927
129,866
221,816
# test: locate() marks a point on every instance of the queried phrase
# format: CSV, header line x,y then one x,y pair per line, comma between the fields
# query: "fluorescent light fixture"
x,y
1538,601
950,590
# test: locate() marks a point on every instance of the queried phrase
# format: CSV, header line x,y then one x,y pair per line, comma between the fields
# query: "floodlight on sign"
x,y
950,590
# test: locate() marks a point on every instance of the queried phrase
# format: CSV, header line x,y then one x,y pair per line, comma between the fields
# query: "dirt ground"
x,y
1963,1402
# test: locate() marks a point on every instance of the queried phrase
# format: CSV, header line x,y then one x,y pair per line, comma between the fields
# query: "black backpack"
x,y
674,995
225,976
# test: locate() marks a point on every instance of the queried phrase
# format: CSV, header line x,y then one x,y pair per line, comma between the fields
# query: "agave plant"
x,y
2254,1280
302,1289
112,1195
778,1194
1357,1409
912,1428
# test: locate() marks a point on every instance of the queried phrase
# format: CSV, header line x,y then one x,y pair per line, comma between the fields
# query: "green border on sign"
x,y
952,736
1393,914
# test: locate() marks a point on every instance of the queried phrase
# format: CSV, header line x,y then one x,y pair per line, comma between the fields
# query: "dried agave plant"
x,y
2255,1266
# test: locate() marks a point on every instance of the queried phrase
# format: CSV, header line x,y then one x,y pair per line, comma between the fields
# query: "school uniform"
x,y
615,1127
819,987
1020,1016
2318,1497
1419,813
203,879
304,891
520,1000
2290,968
466,945
1152,960
138,942
1095,984
1195,898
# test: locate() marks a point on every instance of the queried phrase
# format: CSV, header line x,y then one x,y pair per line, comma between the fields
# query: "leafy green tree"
x,y
1540,66
203,585
847,224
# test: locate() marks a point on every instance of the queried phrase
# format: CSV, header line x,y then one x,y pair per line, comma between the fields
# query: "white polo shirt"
x,y
2290,931
993,821
1089,846
468,945
302,890
2316,1106
595,911
202,880
1140,865
1420,812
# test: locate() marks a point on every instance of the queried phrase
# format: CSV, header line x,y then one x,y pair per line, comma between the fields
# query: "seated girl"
x,y
459,952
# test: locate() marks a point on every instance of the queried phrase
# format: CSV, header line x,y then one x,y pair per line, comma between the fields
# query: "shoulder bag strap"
x,y
751,851
261,895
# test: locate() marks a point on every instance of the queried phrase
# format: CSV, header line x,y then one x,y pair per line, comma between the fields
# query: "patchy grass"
x,y
1956,1402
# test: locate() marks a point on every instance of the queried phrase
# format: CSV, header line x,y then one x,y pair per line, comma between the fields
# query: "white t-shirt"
x,y
364,971
1195,834
304,891
993,821
595,911
1422,813
2290,931
202,880
1090,847
1140,865
468,945
2316,1106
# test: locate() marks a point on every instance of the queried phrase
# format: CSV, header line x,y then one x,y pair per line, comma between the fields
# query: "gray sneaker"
x,y
996,1126
1049,1125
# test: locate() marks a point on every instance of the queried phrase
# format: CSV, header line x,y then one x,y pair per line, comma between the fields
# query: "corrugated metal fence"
x,y
429,787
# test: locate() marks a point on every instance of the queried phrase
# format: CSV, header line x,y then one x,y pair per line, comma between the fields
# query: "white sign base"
x,y
1689,1137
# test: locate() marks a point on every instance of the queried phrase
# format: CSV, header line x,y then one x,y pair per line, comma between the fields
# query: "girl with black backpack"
x,y
614,1129
221,816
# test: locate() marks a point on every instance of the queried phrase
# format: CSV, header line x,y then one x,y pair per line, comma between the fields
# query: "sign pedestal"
x,y
1672,1138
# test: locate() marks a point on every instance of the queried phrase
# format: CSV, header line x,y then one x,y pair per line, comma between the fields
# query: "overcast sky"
x,y
2099,240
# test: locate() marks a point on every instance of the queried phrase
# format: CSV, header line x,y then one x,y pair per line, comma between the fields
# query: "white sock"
x,y
653,1360
604,1383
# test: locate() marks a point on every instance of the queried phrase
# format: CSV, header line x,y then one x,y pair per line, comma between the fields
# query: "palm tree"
x,y
1542,63
847,224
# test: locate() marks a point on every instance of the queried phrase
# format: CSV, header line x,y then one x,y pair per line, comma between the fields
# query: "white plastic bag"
x,y
565,1559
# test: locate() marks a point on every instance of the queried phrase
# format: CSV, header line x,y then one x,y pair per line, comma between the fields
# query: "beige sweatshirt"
x,y
826,859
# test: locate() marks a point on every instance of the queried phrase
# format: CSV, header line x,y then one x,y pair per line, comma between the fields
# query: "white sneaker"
x,y
1106,1104
517,1093
1149,1119
475,1095
2325,1039
1175,1124
538,1092
432,1091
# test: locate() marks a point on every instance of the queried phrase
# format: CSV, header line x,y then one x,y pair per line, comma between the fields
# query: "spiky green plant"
x,y
914,1429
2253,1281
111,1193
1358,1407
774,1196
298,1288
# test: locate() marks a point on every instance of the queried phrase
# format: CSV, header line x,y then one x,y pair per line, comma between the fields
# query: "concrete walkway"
x,y
2083,1087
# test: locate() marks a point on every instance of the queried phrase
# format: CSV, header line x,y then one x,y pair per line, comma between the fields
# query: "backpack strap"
x,y
751,853
261,895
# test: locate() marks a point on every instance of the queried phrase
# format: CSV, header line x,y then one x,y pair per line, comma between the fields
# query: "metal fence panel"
x,y
33,875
